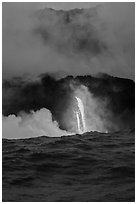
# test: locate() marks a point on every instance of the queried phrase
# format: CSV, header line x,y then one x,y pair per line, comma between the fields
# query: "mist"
x,y
35,124
76,42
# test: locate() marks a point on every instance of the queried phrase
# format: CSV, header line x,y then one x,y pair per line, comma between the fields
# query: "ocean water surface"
x,y
78,168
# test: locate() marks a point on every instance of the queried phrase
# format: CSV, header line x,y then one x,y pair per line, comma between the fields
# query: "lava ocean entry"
x,y
80,116
80,104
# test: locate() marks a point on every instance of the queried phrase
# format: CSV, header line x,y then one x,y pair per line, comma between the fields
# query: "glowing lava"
x,y
80,116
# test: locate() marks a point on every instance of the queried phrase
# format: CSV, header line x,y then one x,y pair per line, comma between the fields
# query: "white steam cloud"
x,y
36,124
93,40
96,116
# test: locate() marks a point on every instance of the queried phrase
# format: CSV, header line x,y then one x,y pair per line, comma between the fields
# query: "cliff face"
x,y
56,95
117,93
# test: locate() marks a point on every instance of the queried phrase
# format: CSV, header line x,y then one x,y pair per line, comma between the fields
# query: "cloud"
x,y
36,124
85,41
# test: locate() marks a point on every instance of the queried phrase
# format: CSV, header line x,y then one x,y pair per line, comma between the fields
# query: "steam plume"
x,y
75,42
36,124
109,102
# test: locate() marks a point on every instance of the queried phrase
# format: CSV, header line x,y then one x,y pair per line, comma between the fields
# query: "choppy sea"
x,y
78,168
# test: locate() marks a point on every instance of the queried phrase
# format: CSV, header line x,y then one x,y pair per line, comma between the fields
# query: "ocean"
x,y
90,167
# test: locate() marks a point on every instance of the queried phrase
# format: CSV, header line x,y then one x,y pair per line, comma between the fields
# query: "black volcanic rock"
x,y
55,95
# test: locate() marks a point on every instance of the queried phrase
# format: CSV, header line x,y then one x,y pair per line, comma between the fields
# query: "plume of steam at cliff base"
x,y
66,106
40,122
36,124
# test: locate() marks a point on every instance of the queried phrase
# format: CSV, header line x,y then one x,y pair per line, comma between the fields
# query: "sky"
x,y
106,31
